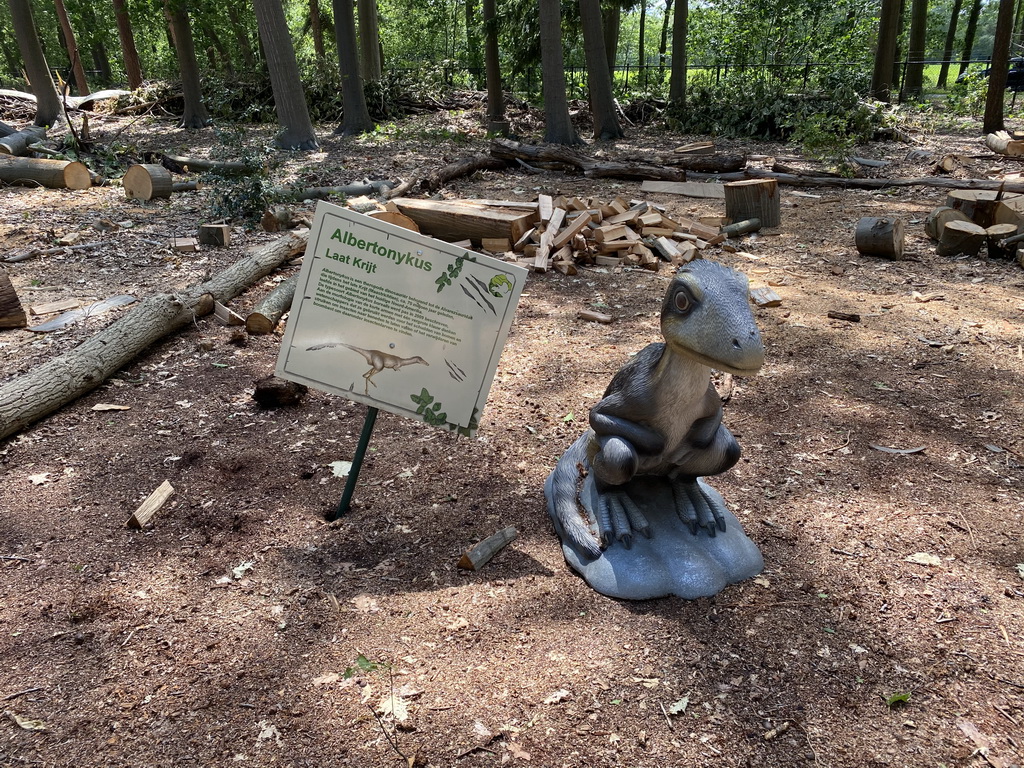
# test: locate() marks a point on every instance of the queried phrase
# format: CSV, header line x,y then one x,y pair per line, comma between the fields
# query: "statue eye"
x,y
683,302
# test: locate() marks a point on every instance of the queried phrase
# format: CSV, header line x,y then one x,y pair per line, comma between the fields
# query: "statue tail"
x,y
563,506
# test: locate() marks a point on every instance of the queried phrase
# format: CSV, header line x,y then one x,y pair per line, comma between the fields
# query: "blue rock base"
x,y
672,561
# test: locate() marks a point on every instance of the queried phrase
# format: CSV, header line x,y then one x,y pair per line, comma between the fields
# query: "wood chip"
x,y
151,505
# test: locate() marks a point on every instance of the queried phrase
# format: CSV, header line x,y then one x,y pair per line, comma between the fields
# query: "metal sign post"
x,y
357,462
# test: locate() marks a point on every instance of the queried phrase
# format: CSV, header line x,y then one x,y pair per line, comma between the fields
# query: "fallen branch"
x,y
200,164
379,187
64,379
17,143
460,168
795,180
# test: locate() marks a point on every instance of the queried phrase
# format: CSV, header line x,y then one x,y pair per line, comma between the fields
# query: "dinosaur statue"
x,y
377,359
657,431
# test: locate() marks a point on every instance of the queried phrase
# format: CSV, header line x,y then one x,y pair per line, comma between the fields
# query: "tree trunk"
x,y
641,46
289,99
663,45
38,71
369,41
195,115
611,22
356,118
71,43
223,63
947,50
240,29
602,101
132,67
677,78
969,33
316,26
885,51
62,380
558,128
913,82
474,46
496,123
999,70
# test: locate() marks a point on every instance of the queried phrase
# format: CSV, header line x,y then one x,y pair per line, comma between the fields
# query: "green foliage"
x,y
363,664
967,95
897,699
241,195
429,409
452,272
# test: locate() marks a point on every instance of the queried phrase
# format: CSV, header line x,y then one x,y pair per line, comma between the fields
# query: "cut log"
x,y
996,237
882,236
55,174
460,168
753,199
215,234
266,315
12,314
741,228
58,382
455,221
18,142
1002,143
961,237
152,182
184,164
701,189
980,206
939,218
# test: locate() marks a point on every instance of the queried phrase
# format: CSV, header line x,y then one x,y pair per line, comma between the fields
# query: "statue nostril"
x,y
736,344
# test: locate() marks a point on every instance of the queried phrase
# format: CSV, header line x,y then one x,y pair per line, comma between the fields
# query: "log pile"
x,y
975,219
558,232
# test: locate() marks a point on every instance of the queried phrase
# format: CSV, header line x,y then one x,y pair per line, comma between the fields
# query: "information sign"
x,y
397,320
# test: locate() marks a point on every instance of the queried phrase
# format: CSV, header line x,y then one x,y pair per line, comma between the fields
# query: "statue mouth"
x,y
748,364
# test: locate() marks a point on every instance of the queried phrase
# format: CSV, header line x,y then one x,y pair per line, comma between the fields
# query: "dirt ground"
x,y
886,630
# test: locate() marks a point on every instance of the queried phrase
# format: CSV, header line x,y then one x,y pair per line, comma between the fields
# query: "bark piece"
x,y
477,557
272,392
58,382
961,237
215,234
455,221
753,199
18,142
595,317
880,236
939,218
266,315
12,314
151,506
849,317
55,174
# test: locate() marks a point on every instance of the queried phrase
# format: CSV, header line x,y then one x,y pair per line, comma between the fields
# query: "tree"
x,y
289,98
599,80
475,52
496,123
356,118
71,44
369,41
947,49
558,128
38,71
663,45
611,19
885,52
677,77
971,31
195,114
999,68
316,25
913,82
641,46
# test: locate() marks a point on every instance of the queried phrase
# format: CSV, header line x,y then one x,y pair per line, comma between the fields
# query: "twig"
x,y
667,718
15,557
10,696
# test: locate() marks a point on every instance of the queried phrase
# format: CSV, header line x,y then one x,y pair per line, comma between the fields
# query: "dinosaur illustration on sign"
x,y
377,359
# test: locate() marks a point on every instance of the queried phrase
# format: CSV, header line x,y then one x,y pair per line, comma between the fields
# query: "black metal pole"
x,y
357,462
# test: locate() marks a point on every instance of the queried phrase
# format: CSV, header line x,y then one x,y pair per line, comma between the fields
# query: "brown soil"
x,y
221,635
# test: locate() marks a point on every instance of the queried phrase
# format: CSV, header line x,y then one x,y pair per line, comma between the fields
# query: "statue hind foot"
x,y
697,508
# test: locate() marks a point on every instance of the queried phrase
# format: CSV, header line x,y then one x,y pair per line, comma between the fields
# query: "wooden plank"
x,y
666,248
495,244
609,232
226,315
151,505
12,315
710,189
456,221
52,307
477,557
545,207
765,297
696,148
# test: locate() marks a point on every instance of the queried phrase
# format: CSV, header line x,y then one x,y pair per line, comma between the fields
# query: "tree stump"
x,y
939,218
880,237
147,182
55,174
994,236
961,237
753,199
12,314
983,207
